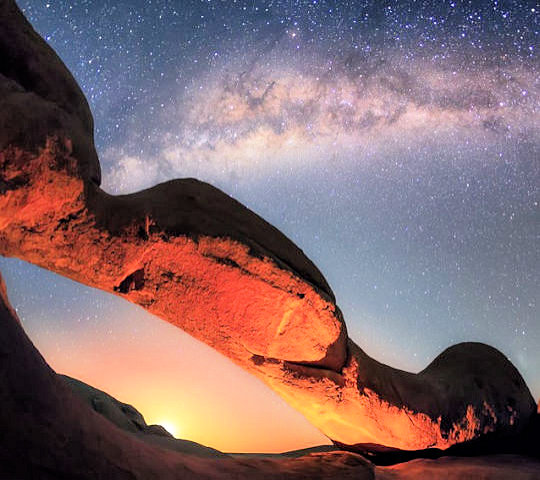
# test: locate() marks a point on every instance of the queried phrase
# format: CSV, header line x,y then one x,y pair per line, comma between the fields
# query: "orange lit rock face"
x,y
49,433
214,287
195,257
469,390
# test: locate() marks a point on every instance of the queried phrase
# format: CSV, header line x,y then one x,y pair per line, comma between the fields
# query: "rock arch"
x,y
192,255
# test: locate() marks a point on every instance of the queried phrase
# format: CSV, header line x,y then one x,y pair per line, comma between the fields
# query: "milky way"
x,y
252,116
397,143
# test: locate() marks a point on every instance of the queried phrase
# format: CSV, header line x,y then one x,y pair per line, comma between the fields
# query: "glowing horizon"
x,y
165,374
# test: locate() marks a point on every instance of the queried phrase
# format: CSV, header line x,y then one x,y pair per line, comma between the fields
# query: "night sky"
x,y
397,143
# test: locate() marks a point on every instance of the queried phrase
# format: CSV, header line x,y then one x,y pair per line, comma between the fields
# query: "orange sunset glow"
x,y
175,381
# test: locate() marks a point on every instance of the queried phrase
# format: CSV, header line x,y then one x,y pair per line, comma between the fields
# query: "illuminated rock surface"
x,y
49,433
195,257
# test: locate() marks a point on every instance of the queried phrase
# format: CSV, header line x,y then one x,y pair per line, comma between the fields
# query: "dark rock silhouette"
x,y
128,418
500,467
192,255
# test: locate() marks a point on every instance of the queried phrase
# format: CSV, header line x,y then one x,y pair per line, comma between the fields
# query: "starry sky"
x,y
396,142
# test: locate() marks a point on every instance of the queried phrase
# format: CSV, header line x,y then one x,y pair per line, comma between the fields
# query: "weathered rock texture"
x,y
195,257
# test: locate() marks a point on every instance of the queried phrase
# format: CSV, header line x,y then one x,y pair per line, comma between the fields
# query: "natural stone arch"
x,y
197,258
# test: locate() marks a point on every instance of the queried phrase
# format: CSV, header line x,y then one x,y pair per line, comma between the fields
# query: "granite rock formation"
x,y
195,257
50,433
